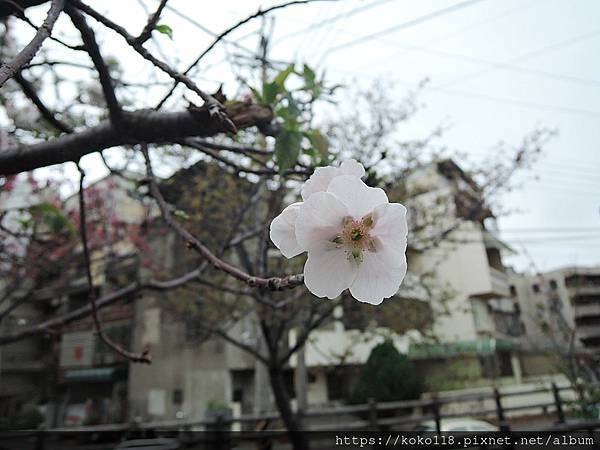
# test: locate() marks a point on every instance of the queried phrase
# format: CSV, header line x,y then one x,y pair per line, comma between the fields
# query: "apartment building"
x,y
24,365
465,327
474,319
475,328
561,312
477,323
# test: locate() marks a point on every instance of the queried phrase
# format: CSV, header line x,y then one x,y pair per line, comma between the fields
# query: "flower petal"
x,y
283,231
352,167
319,221
318,181
379,276
328,271
380,273
391,228
359,198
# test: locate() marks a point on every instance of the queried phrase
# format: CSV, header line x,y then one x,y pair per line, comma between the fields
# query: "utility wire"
x,y
402,26
445,36
550,230
331,20
493,64
525,56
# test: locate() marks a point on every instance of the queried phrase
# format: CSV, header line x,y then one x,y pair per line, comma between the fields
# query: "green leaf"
x,y
270,91
52,216
181,214
165,29
319,141
292,105
257,95
309,76
287,149
282,76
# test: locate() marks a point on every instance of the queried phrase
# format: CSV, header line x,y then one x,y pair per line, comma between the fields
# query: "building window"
x,y
535,288
513,290
553,285
238,395
177,396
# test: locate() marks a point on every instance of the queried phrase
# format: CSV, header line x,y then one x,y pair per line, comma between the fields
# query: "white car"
x,y
457,425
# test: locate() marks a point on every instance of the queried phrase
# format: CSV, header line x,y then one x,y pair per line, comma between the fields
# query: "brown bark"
x,y
144,126
296,435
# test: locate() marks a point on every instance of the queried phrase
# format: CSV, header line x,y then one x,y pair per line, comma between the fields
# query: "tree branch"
x,y
142,357
89,40
274,283
301,340
10,68
106,300
215,108
151,24
221,36
139,126
30,92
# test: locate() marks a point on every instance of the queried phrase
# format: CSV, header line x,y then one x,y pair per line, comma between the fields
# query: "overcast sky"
x,y
497,69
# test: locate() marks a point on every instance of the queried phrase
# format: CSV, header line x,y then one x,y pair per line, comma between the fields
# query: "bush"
x,y
387,376
29,419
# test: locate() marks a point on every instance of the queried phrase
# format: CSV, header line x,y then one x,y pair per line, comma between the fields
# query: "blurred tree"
x,y
387,376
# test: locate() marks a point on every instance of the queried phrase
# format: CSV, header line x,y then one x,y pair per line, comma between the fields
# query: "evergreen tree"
x,y
387,376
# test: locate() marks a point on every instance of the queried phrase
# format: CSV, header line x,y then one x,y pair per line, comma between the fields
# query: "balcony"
x,y
497,285
592,309
21,365
588,332
577,291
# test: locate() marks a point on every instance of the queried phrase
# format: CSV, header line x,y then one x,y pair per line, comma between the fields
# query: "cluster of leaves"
x,y
293,109
387,376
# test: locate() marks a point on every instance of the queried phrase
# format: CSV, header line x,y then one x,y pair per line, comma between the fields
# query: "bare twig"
x,y
215,108
151,24
242,149
102,302
89,40
274,283
20,13
142,357
31,93
234,27
10,68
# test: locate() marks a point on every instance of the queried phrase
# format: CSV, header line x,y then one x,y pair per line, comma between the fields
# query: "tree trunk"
x,y
297,436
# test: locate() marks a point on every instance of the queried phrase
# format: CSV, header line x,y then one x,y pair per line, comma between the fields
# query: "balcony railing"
x,y
588,331
21,365
500,284
583,290
592,309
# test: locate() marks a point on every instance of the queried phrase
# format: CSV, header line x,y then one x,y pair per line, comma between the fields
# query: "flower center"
x,y
355,237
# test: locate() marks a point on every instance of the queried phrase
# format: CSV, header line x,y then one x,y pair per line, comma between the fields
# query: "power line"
x,y
329,21
402,26
468,94
504,66
468,27
326,35
517,102
592,168
550,230
198,25
525,56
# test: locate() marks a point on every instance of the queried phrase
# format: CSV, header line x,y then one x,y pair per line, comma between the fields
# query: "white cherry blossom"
x,y
320,179
354,237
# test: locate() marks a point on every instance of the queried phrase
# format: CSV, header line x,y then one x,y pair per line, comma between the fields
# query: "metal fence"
x,y
220,432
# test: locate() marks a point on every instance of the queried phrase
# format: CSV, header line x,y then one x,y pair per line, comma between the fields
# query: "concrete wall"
x,y
199,371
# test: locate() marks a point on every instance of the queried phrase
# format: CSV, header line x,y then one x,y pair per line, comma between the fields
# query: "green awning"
x,y
100,374
447,349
